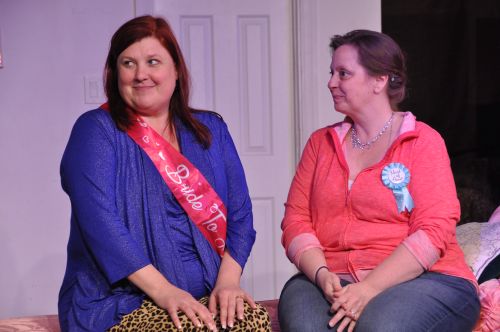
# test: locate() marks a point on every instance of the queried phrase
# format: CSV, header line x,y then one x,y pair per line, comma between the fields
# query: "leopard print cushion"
x,y
150,317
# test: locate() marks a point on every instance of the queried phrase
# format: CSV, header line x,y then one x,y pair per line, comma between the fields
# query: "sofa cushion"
x,y
50,323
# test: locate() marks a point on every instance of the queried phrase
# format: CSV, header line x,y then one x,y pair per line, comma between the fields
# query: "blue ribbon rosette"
x,y
396,177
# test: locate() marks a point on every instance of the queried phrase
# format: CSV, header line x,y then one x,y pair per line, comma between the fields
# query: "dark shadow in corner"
x,y
453,56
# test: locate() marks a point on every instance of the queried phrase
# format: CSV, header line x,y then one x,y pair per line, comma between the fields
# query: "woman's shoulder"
x,y
95,117
410,124
325,133
322,139
95,124
427,133
208,118
425,128
214,122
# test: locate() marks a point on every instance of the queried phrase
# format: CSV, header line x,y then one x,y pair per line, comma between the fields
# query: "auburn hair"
x,y
131,32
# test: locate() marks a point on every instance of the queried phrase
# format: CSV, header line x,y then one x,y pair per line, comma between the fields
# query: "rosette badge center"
x,y
396,177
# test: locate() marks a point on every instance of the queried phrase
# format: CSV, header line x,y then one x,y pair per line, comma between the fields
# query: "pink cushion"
x,y
272,309
489,293
50,323
495,216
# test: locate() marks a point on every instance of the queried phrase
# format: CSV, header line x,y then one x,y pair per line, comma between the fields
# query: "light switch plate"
x,y
2,60
94,91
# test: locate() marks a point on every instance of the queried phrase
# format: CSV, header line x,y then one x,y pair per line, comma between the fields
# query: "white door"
x,y
239,55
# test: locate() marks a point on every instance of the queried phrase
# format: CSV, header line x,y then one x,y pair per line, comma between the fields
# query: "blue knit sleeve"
x,y
240,231
88,175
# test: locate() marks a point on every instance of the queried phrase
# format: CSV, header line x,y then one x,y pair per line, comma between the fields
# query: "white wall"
x,y
318,21
48,47
336,18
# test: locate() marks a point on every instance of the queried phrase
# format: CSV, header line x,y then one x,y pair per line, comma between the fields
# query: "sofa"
x,y
50,323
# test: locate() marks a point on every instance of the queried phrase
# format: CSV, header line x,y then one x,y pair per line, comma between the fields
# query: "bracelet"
x,y
317,271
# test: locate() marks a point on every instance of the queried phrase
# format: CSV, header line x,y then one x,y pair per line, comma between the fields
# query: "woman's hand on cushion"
x,y
171,298
227,293
174,299
229,298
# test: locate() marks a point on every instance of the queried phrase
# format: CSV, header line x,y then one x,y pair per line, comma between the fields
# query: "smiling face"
x,y
351,87
146,76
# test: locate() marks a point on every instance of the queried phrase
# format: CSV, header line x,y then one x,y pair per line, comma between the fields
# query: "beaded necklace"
x,y
356,142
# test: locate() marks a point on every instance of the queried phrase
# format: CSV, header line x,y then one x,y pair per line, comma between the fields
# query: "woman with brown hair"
x,y
161,223
371,213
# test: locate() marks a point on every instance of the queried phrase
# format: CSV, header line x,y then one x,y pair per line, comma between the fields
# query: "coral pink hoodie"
x,y
358,228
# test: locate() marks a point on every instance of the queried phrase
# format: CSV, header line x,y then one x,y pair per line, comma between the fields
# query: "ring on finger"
x,y
354,314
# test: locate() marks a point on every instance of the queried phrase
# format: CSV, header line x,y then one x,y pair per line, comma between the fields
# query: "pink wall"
x,y
48,48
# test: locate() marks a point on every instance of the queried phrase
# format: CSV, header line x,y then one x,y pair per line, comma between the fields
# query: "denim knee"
x,y
302,307
431,302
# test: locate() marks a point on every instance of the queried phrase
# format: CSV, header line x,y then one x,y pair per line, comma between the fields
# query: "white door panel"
x,y
239,55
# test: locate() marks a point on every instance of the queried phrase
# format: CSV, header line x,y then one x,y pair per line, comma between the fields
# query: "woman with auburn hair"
x,y
161,223
371,214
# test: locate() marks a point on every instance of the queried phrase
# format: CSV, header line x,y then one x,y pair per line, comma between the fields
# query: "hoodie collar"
x,y
408,124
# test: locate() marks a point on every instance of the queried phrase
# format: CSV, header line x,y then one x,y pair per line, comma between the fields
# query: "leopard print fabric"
x,y
150,317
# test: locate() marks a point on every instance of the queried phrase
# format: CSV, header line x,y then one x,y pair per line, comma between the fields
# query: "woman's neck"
x,y
370,123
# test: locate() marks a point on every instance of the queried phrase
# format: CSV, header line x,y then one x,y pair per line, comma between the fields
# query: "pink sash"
x,y
189,186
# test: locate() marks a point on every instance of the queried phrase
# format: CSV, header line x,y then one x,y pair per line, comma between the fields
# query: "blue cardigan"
x,y
123,217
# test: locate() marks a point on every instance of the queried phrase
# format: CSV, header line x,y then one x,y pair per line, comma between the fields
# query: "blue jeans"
x,y
431,302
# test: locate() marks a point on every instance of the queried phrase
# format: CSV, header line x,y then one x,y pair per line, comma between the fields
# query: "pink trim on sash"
x,y
189,186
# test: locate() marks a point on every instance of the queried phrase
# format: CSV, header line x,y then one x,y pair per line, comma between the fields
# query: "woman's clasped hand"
x,y
347,302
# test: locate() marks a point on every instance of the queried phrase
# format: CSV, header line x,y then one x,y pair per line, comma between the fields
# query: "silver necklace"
x,y
356,142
